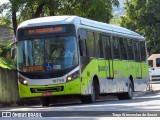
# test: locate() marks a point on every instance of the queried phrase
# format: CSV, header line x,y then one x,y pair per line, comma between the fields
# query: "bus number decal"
x,y
58,81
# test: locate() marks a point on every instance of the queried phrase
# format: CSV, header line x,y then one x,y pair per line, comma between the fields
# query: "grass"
x,y
7,64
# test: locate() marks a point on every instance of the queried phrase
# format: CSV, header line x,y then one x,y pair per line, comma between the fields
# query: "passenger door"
x,y
108,57
137,60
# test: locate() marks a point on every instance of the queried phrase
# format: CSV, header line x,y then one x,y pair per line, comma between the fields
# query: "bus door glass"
x,y
137,60
108,56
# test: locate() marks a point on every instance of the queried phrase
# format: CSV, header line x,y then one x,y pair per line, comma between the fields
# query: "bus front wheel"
x,y
89,98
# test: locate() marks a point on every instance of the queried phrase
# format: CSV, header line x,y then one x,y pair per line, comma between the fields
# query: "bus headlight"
x,y
69,78
22,81
73,76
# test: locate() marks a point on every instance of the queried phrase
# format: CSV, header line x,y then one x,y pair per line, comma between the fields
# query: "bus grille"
x,y
46,89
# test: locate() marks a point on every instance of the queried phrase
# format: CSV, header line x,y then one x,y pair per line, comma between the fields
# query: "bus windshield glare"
x,y
47,54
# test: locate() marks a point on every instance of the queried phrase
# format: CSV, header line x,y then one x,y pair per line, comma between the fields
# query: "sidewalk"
x,y
155,86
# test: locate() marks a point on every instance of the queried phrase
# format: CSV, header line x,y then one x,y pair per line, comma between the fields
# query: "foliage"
x,y
5,57
4,47
7,63
116,21
21,10
143,17
4,21
92,9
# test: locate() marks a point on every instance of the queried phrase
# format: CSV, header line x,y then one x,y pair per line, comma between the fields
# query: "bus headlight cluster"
x,y
22,81
73,76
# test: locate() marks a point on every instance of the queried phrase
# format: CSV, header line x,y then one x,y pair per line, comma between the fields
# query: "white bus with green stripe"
x,y
95,59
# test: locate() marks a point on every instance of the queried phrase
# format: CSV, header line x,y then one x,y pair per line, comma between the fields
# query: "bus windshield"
x,y
47,54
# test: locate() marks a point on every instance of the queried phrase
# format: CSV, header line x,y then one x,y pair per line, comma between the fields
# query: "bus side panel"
x,y
121,74
99,68
122,70
106,85
143,83
87,76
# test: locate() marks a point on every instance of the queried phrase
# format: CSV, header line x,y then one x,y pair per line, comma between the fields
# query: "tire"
x,y
121,96
127,95
97,90
89,98
45,101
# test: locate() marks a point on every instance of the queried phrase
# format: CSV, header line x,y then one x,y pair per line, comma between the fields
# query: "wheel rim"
x,y
130,91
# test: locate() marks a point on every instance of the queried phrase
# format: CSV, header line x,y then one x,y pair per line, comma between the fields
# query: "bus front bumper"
x,y
70,88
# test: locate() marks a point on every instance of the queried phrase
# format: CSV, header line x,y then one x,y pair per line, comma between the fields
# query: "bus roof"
x,y
83,22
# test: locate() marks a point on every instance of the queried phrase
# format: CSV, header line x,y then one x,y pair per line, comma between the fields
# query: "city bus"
x,y
94,59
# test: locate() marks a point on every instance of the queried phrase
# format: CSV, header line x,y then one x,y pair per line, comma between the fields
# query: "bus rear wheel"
x,y
127,95
45,101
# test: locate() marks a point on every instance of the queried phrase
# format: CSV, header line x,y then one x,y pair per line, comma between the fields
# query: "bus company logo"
x,y
6,114
101,68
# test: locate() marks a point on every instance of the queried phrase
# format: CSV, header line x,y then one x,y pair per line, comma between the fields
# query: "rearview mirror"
x,y
13,52
13,49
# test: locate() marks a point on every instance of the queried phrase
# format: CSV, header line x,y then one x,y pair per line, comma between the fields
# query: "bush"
x,y
5,57
5,48
1,51
7,63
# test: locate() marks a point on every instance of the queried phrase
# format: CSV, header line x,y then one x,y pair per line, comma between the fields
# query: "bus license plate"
x,y
46,94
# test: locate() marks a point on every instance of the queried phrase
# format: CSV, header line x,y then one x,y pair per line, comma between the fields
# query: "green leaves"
x,y
143,16
4,46
100,10
7,63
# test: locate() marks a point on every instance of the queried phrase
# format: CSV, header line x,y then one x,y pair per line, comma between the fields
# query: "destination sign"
x,y
45,30
32,68
34,32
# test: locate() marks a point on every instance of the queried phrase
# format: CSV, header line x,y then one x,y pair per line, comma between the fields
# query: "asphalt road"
x,y
145,106
149,102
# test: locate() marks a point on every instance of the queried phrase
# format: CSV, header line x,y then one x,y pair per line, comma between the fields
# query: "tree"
x,y
143,17
100,10
21,10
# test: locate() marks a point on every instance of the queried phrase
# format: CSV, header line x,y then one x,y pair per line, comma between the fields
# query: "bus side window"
x,y
115,46
143,51
123,48
90,44
136,51
100,45
97,47
82,36
130,50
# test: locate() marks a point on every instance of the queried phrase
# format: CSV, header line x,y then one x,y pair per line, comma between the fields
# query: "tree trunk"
x,y
14,21
51,11
38,11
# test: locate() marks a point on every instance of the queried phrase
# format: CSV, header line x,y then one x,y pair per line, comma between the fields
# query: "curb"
x,y
138,94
